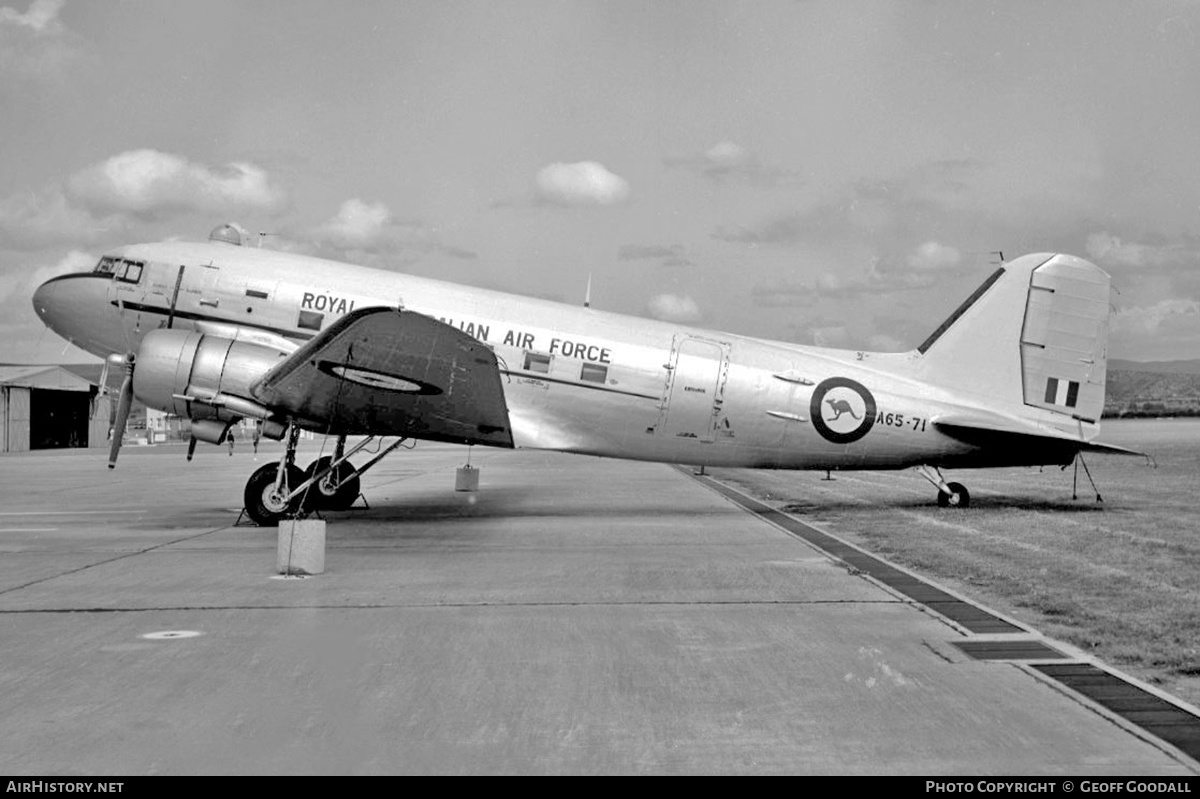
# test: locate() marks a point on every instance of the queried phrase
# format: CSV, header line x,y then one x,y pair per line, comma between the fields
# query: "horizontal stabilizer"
x,y
1111,449
984,430
383,371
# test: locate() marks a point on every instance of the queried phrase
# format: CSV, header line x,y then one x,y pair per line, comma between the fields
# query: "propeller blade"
x,y
123,404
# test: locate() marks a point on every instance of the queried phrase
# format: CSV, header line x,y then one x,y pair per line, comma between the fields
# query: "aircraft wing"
x,y
984,430
384,371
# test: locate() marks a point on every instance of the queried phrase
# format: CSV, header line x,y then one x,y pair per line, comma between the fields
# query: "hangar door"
x,y
58,418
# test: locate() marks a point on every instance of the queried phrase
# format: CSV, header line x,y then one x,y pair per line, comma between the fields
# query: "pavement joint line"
x,y
435,605
1186,742
71,512
886,574
111,560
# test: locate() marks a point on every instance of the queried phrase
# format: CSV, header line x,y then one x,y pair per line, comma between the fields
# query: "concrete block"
x,y
301,547
467,479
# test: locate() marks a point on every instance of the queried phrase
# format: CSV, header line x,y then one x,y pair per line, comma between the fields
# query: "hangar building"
x,y
48,407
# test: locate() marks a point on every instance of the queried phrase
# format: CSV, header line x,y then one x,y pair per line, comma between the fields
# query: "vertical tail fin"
x,y
1034,334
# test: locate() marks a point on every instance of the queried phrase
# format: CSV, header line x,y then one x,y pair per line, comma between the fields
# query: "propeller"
x,y
123,403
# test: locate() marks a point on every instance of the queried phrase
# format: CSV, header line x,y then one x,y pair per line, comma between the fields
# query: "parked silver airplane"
x,y
217,332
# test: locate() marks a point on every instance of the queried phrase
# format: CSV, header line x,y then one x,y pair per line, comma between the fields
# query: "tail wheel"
x,y
336,490
958,497
264,505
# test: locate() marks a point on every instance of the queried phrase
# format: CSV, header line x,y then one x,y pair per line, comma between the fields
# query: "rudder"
x,y
1064,340
1034,334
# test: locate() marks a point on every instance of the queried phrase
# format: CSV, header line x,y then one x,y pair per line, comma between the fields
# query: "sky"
x,y
840,174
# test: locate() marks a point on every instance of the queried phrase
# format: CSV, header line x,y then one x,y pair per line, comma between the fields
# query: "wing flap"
x,y
383,371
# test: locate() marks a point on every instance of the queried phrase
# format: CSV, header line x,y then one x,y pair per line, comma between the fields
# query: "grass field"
x,y
1118,579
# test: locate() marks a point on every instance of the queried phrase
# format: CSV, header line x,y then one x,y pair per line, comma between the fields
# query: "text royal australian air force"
x,y
532,340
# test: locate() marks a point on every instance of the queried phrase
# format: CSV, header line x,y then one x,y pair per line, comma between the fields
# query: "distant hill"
x,y
1143,393
1191,367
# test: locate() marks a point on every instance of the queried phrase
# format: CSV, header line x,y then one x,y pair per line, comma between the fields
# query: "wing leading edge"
x,y
384,371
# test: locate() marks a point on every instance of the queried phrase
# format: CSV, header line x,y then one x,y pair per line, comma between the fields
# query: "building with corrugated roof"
x,y
49,407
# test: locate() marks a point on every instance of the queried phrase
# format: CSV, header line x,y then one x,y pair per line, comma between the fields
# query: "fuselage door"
x,y
695,388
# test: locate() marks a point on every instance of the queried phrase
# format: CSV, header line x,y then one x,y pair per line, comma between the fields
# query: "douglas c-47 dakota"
x,y
216,333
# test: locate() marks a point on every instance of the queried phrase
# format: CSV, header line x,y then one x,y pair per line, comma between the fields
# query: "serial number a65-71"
x,y
915,423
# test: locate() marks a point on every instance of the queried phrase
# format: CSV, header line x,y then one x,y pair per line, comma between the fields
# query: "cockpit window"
x,y
130,271
123,269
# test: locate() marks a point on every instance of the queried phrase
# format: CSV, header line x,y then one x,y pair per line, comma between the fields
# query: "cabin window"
x,y
255,293
310,320
593,373
536,362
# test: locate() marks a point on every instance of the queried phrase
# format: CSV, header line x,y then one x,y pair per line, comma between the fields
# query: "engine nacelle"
x,y
201,377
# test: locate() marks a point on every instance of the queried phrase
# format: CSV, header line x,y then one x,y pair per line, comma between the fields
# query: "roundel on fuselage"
x,y
842,410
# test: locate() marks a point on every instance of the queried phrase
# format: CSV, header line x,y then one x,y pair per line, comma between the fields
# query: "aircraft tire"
x,y
263,508
958,497
319,496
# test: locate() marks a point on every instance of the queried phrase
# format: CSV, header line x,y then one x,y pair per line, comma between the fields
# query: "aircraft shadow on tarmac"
x,y
509,502
979,505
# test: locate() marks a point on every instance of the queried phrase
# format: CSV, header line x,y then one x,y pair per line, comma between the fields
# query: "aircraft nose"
x,y
48,303
76,307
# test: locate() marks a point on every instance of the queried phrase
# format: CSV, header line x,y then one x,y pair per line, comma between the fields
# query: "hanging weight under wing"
x,y
384,371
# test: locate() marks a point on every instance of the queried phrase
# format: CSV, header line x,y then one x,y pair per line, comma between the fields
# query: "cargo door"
x,y
696,387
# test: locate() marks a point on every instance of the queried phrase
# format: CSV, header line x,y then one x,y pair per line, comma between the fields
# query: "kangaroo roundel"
x,y
842,410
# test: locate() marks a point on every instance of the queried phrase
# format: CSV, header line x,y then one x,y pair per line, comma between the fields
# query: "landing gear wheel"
x,y
336,490
263,505
957,498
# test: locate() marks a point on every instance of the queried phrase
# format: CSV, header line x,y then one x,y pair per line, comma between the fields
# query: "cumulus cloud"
x,y
727,160
1154,319
728,155
1109,250
41,17
128,190
20,284
1164,330
920,268
581,183
933,257
35,44
149,182
47,218
357,224
674,308
368,233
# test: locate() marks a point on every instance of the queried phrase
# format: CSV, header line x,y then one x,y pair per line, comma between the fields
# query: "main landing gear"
x,y
950,495
278,490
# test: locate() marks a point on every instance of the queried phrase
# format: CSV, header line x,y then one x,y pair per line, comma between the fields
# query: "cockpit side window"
x,y
107,266
130,271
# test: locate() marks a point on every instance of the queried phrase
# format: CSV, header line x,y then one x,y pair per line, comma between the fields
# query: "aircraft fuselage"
x,y
575,379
